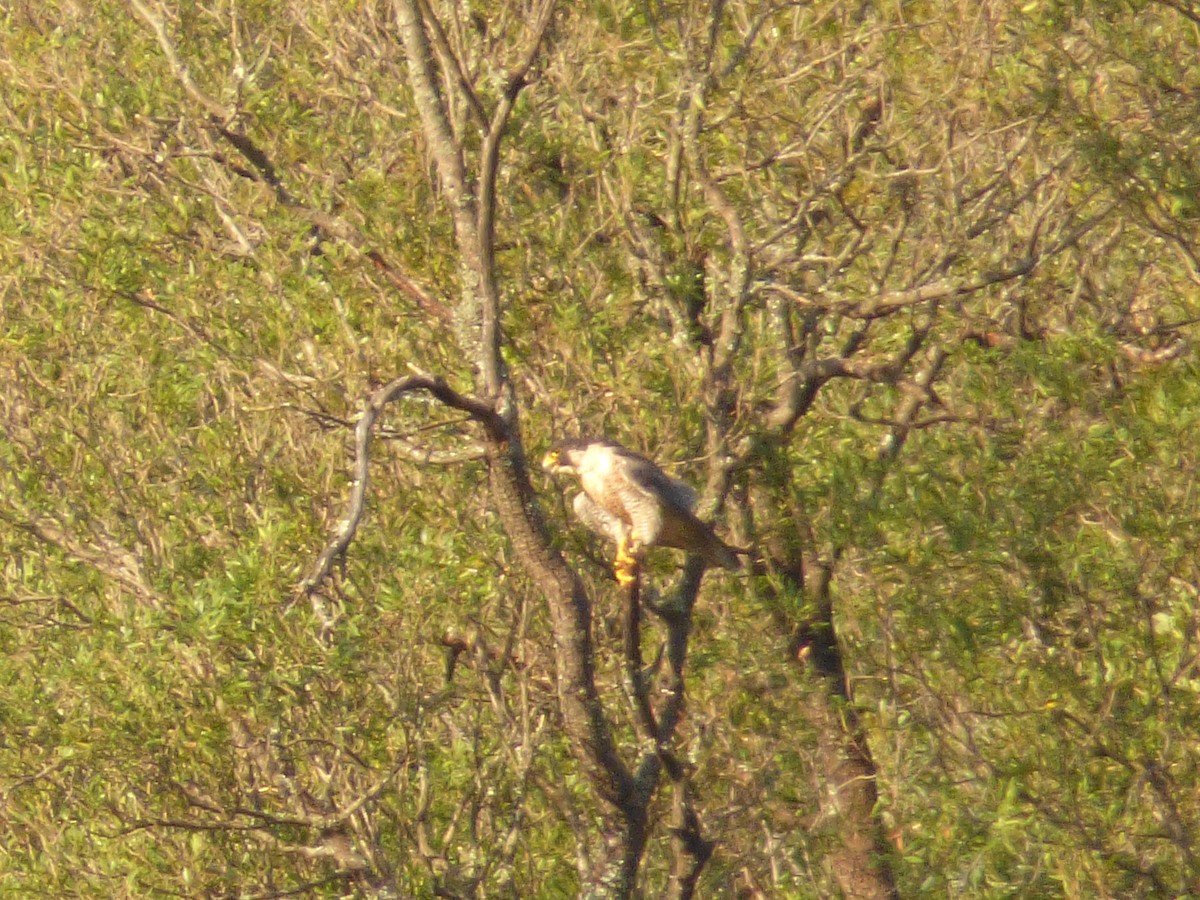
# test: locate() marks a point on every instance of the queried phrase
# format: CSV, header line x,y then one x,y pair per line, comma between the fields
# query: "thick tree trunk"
x,y
860,861
860,858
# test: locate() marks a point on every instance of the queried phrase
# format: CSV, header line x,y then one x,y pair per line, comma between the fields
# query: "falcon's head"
x,y
565,457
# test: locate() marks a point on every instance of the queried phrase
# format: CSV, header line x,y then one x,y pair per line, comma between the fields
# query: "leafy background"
x,y
186,338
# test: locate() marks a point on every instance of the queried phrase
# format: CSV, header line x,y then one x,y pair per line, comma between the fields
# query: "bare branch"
x,y
450,59
409,287
178,68
489,164
263,169
431,108
100,553
364,432
1183,7
635,674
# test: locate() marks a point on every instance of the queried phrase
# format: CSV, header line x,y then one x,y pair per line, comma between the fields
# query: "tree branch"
x,y
634,667
434,118
477,328
571,622
489,165
178,68
450,59
336,549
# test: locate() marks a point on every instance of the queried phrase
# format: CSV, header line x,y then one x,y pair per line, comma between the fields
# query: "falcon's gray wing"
x,y
646,475
661,510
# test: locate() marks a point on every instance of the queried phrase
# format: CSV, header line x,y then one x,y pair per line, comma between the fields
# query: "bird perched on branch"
x,y
631,501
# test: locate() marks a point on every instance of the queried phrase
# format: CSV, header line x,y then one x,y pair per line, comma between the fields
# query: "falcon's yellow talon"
x,y
626,573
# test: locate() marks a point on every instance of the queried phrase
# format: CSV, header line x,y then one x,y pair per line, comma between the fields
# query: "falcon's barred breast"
x,y
631,501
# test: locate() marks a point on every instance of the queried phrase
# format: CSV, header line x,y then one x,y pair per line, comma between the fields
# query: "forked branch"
x,y
364,433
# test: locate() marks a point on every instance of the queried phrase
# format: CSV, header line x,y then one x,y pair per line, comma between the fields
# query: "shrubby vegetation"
x,y
909,290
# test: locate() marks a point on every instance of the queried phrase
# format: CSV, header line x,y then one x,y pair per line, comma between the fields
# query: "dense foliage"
x,y
909,289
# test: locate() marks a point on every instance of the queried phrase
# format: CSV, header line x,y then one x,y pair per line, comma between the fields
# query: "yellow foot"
x,y
626,565
626,572
627,551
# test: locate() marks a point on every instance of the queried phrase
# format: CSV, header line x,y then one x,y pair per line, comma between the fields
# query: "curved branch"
x,y
363,434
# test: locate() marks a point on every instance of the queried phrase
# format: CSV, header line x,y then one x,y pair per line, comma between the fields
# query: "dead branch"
x,y
178,68
364,432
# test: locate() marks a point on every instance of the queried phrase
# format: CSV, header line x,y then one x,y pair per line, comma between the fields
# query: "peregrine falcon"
x,y
631,501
